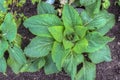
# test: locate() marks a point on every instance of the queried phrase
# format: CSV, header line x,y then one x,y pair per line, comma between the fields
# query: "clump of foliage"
x,y
71,41
10,41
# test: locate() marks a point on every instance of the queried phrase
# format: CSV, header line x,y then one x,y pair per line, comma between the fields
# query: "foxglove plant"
x,y
67,42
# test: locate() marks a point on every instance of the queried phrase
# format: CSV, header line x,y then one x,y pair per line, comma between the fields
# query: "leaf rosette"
x,y
67,42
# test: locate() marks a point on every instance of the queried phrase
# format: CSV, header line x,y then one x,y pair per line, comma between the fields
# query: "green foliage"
x,y
106,4
9,32
8,42
39,47
3,6
101,55
45,8
3,65
33,65
41,23
50,66
34,1
93,6
119,2
63,42
88,72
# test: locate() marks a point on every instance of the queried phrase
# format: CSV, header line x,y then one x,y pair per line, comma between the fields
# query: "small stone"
x,y
119,18
118,43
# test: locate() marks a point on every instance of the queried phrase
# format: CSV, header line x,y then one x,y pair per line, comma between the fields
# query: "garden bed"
x,y
105,70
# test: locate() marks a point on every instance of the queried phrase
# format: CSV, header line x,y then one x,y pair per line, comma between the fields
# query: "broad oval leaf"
x,y
39,24
70,16
45,8
96,41
110,23
99,22
17,54
9,28
39,47
101,55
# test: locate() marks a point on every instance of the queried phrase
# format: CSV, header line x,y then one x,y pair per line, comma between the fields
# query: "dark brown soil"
x,y
105,70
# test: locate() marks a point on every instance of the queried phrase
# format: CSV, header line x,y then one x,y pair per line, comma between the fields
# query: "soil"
x,y
105,70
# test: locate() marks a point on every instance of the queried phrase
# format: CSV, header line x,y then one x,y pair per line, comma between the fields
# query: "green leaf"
x,y
3,65
9,27
91,6
21,3
57,32
59,54
87,72
109,24
81,31
17,54
39,47
71,63
3,6
14,65
106,4
96,41
67,44
70,16
39,24
33,66
100,20
118,2
50,66
81,46
45,8
101,55
87,2
85,17
3,47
